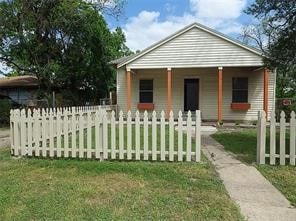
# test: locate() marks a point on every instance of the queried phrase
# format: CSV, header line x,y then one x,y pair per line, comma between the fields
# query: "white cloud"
x,y
170,8
218,9
146,28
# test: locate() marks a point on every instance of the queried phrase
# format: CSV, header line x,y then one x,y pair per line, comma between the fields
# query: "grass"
x,y
149,136
283,178
41,189
243,144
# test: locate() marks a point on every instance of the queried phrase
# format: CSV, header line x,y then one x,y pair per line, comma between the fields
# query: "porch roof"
x,y
19,81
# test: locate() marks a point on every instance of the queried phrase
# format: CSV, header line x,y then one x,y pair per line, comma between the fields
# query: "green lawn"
x,y
243,144
283,178
133,138
40,189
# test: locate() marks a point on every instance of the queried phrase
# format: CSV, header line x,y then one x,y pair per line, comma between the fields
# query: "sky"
x,y
145,22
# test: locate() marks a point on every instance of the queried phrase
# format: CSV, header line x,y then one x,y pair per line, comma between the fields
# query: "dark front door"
x,y
191,94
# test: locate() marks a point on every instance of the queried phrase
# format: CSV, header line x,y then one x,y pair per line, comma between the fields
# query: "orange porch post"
x,y
220,94
169,92
265,95
128,80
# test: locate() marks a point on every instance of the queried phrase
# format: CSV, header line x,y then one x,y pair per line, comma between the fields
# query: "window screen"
x,y
239,90
146,91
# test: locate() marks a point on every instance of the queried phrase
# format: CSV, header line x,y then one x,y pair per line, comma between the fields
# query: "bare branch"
x,y
109,7
17,66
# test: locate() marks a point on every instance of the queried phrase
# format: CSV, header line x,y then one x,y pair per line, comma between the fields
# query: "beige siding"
x,y
159,88
197,48
208,90
121,89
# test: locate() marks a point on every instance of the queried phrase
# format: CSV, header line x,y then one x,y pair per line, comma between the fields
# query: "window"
x,y
239,90
146,91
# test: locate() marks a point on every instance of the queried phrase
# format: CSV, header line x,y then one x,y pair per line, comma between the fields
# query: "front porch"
x,y
210,90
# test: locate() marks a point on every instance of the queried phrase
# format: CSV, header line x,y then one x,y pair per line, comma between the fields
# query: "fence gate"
x,y
96,134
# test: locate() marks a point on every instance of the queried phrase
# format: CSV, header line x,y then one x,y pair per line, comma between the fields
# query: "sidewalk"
x,y
258,198
4,138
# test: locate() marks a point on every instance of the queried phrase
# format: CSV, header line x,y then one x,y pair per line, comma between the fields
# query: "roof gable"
x,y
192,41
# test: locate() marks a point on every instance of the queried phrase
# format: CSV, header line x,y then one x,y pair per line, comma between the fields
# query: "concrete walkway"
x,y
256,197
4,138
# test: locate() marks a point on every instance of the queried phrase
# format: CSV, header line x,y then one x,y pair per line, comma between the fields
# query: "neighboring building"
x,y
197,68
21,89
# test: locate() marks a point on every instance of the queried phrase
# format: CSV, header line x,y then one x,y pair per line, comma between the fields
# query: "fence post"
x,y
89,135
66,133
44,133
51,133
12,145
180,137
113,136
137,139
162,136
197,136
261,138
97,135
292,138
17,132
37,131
189,135
272,138
129,135
30,132
23,121
258,137
74,145
59,132
171,136
121,138
282,138
145,135
81,134
154,136
105,135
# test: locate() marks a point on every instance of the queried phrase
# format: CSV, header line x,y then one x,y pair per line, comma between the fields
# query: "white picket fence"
x,y
91,134
278,150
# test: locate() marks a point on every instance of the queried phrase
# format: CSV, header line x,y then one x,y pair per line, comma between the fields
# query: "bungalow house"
x,y
197,68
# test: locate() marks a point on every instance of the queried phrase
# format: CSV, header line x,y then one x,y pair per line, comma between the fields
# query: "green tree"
x,y
65,43
279,19
275,34
119,49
